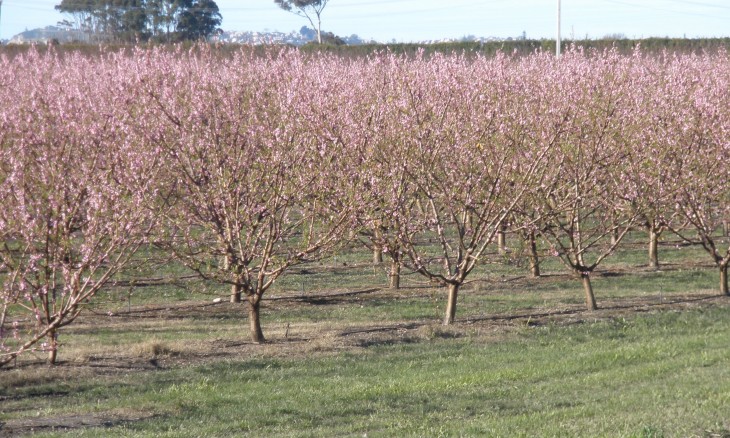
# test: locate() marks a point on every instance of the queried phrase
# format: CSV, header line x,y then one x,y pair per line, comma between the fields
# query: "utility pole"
x,y
557,39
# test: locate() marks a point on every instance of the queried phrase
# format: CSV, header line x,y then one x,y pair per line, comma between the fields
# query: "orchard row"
x,y
241,167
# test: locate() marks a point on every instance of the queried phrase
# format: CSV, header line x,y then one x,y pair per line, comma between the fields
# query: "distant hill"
x,y
294,38
304,36
49,34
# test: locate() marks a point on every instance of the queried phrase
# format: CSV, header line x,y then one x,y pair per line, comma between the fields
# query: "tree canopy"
x,y
135,20
309,9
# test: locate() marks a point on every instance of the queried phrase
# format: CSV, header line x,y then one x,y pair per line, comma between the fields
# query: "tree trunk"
x,y
502,239
723,280
726,228
451,304
395,273
235,288
588,289
653,245
534,258
377,255
377,248
53,347
614,236
319,30
254,320
235,293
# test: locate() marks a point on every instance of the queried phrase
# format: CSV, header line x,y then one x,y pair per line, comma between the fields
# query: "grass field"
x,y
347,358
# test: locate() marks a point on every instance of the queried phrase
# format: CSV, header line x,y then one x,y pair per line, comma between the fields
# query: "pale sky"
x,y
419,20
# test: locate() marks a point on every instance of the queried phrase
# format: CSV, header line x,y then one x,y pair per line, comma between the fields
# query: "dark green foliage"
x,y
288,5
141,20
199,21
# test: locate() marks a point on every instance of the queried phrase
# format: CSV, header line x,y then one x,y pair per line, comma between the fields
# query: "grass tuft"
x,y
152,349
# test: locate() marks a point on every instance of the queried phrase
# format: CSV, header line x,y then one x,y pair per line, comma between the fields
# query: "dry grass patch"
x,y
151,349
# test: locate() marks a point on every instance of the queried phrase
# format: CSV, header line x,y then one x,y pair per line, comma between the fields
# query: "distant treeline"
x,y
519,47
525,47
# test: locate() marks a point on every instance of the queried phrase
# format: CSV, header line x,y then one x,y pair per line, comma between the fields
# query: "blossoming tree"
x,y
70,180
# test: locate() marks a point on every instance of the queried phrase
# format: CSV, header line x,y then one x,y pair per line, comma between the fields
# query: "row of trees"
x,y
142,20
246,166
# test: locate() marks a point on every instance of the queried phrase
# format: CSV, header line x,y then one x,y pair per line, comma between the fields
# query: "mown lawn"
x,y
656,374
350,358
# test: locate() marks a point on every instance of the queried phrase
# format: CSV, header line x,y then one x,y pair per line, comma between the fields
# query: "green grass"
x,y
662,374
524,359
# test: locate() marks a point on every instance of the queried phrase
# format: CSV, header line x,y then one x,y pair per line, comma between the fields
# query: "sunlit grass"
x,y
662,373
162,360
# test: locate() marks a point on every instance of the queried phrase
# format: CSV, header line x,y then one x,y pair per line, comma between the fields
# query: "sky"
x,y
423,20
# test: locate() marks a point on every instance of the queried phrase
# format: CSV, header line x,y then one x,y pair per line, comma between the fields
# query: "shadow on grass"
x,y
636,306
65,423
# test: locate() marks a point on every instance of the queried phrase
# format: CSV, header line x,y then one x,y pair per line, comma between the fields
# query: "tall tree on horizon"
x,y
199,21
308,9
135,20
163,16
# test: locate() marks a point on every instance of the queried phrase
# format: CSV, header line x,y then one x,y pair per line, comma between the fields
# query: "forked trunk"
x,y
451,304
534,258
588,289
653,251
723,279
395,273
254,319
53,347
